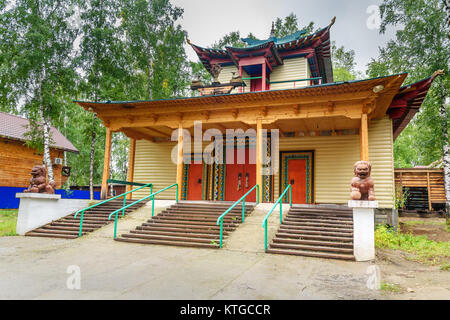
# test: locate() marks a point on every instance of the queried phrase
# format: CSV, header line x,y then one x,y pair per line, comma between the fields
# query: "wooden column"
x,y
106,162
259,153
180,160
430,207
131,157
364,138
264,75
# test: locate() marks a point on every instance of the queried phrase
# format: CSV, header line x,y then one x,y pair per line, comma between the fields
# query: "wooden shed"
x,y
425,187
17,160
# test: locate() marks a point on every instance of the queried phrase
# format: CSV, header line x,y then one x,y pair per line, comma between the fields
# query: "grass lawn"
x,y
8,220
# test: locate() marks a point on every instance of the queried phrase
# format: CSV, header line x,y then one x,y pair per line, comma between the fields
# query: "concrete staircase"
x,y
315,232
95,218
188,224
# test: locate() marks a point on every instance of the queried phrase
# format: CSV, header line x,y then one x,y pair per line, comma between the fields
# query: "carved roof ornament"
x,y
272,31
215,71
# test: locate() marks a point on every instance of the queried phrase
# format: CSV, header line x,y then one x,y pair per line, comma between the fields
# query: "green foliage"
x,y
289,25
8,221
445,267
283,27
421,248
421,46
400,197
36,43
155,46
390,287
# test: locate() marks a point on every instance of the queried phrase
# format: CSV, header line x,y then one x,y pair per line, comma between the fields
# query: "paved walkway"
x,y
36,268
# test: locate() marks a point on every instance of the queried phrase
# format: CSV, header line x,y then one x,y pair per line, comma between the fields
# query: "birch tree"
x,y
36,50
421,47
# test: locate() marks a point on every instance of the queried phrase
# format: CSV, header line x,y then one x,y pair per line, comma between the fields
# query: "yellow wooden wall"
x,y
153,164
334,157
292,69
381,155
227,73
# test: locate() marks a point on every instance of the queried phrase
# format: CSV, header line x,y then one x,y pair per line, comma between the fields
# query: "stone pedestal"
x,y
363,229
38,209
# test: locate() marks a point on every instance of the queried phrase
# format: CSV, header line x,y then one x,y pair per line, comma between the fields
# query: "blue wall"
x,y
8,198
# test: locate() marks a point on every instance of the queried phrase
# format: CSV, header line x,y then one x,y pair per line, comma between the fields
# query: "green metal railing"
x,y
220,219
296,80
264,224
128,183
145,198
124,195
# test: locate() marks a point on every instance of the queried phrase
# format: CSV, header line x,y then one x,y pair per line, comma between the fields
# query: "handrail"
x,y
264,224
296,80
128,183
107,200
132,204
220,219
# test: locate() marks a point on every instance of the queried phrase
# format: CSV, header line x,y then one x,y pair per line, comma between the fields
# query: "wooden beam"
x,y
249,114
106,162
220,104
364,138
164,134
131,158
180,160
259,155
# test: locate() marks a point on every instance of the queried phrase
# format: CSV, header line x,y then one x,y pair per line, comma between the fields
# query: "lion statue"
x,y
362,187
38,182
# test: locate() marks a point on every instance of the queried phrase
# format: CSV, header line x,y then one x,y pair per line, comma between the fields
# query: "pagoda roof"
x,y
315,47
407,102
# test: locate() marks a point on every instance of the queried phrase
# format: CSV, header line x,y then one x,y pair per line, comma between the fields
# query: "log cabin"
x,y
17,159
307,128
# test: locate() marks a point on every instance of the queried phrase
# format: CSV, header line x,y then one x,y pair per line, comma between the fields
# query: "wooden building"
x,y
320,128
17,160
424,188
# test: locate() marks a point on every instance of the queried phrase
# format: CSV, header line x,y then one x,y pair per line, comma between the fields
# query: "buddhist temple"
x,y
297,125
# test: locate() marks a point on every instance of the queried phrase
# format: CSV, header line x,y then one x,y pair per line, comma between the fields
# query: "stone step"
x,y
318,224
169,238
320,216
170,243
196,218
50,235
178,234
194,222
193,226
293,225
67,228
278,239
294,218
157,227
312,254
286,229
291,235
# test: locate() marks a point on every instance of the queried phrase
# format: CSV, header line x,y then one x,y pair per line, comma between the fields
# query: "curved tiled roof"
x,y
14,127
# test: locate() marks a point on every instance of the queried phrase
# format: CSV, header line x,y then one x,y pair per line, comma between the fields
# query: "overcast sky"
x,y
206,21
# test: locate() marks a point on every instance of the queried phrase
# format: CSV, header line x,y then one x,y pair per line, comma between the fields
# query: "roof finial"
x,y
272,32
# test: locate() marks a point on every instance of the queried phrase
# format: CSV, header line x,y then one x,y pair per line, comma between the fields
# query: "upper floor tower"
x,y
296,60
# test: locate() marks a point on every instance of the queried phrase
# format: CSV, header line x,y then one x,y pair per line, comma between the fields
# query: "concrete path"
x,y
37,268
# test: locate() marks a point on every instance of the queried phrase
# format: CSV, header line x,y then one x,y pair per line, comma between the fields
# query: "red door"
x,y
297,179
195,182
240,178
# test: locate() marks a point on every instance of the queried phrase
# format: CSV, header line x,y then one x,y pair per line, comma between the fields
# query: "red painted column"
x,y
263,85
